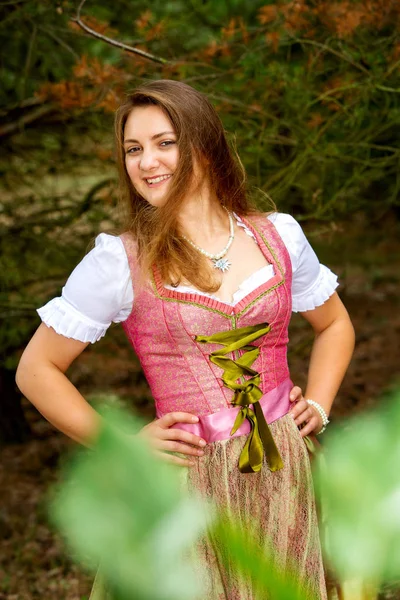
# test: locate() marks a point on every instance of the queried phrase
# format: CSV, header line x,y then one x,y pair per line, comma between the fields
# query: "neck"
x,y
203,220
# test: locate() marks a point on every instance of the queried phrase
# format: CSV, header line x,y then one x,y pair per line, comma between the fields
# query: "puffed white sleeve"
x,y
97,293
312,283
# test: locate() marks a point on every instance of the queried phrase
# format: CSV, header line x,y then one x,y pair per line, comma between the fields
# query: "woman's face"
x,y
151,152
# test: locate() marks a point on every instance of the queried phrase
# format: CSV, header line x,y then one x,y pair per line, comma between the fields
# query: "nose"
x,y
148,160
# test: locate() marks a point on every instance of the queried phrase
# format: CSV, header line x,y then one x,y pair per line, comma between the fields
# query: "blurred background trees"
x,y
307,89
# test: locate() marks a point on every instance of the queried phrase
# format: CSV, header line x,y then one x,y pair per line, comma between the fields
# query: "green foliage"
x,y
245,556
119,506
122,509
34,256
53,205
358,481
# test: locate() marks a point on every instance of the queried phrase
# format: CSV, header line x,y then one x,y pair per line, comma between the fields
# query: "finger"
x,y
296,393
177,417
182,436
169,446
311,426
175,460
299,408
306,415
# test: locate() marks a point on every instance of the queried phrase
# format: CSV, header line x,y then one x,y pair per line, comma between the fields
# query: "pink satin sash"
x,y
217,426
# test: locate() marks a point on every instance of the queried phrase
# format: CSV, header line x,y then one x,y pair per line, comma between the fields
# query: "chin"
x,y
156,202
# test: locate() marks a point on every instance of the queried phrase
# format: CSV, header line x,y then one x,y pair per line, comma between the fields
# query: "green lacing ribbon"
x,y
246,393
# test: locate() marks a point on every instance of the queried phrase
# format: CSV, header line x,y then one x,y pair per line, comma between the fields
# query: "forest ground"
x,y
34,562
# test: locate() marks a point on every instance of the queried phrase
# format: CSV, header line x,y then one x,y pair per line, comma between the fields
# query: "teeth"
x,y
158,179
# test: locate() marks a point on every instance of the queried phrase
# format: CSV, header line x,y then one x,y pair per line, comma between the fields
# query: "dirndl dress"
x,y
228,365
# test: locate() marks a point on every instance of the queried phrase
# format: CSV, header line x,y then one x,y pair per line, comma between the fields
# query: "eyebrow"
x,y
154,137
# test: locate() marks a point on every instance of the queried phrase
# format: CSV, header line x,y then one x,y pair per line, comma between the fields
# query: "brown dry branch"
x,y
329,49
111,41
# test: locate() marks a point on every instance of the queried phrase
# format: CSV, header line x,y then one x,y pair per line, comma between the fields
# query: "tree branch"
x,y
60,41
115,43
26,119
64,216
27,103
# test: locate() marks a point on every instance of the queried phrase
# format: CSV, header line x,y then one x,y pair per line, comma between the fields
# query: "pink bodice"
x,y
163,325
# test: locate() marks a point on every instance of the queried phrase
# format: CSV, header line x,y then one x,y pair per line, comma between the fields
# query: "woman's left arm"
x,y
330,356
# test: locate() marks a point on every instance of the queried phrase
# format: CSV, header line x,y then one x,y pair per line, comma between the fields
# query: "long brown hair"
x,y
200,137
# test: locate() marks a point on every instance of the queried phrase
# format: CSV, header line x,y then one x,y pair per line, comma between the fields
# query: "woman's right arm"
x,y
98,292
40,377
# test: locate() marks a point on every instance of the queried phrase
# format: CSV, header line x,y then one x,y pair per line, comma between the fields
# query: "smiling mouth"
x,y
152,181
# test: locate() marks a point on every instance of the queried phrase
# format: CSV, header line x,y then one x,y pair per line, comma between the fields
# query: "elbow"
x,y
352,334
25,374
344,330
341,331
20,374
348,327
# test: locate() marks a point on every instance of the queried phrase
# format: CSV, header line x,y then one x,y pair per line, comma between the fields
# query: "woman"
x,y
204,286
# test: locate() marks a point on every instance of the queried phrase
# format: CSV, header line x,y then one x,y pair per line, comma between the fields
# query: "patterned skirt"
x,y
278,508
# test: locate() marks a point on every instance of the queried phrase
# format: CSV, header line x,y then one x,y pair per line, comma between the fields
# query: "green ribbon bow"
x,y
246,393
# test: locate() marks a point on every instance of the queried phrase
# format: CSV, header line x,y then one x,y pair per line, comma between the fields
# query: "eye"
x,y
132,150
166,143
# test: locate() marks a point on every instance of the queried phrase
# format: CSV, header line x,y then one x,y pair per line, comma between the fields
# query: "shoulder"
x,y
291,233
278,219
287,228
97,292
103,269
107,259
312,282
285,223
104,264
109,245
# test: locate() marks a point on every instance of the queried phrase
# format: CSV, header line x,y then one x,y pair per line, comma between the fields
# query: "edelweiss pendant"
x,y
222,264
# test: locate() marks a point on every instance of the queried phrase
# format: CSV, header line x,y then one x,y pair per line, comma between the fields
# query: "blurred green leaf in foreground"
x,y
239,550
359,484
121,508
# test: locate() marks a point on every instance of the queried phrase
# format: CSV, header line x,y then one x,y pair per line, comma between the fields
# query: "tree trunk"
x,y
14,428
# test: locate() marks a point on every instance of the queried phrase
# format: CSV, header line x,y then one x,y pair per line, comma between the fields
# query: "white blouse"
x,y
99,290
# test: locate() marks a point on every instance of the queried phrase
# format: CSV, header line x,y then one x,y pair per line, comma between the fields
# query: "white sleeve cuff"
x,y
320,291
67,321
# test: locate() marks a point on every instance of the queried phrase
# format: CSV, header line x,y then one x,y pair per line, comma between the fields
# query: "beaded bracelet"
x,y
323,414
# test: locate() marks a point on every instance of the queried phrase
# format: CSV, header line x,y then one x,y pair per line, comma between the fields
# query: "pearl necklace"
x,y
219,261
